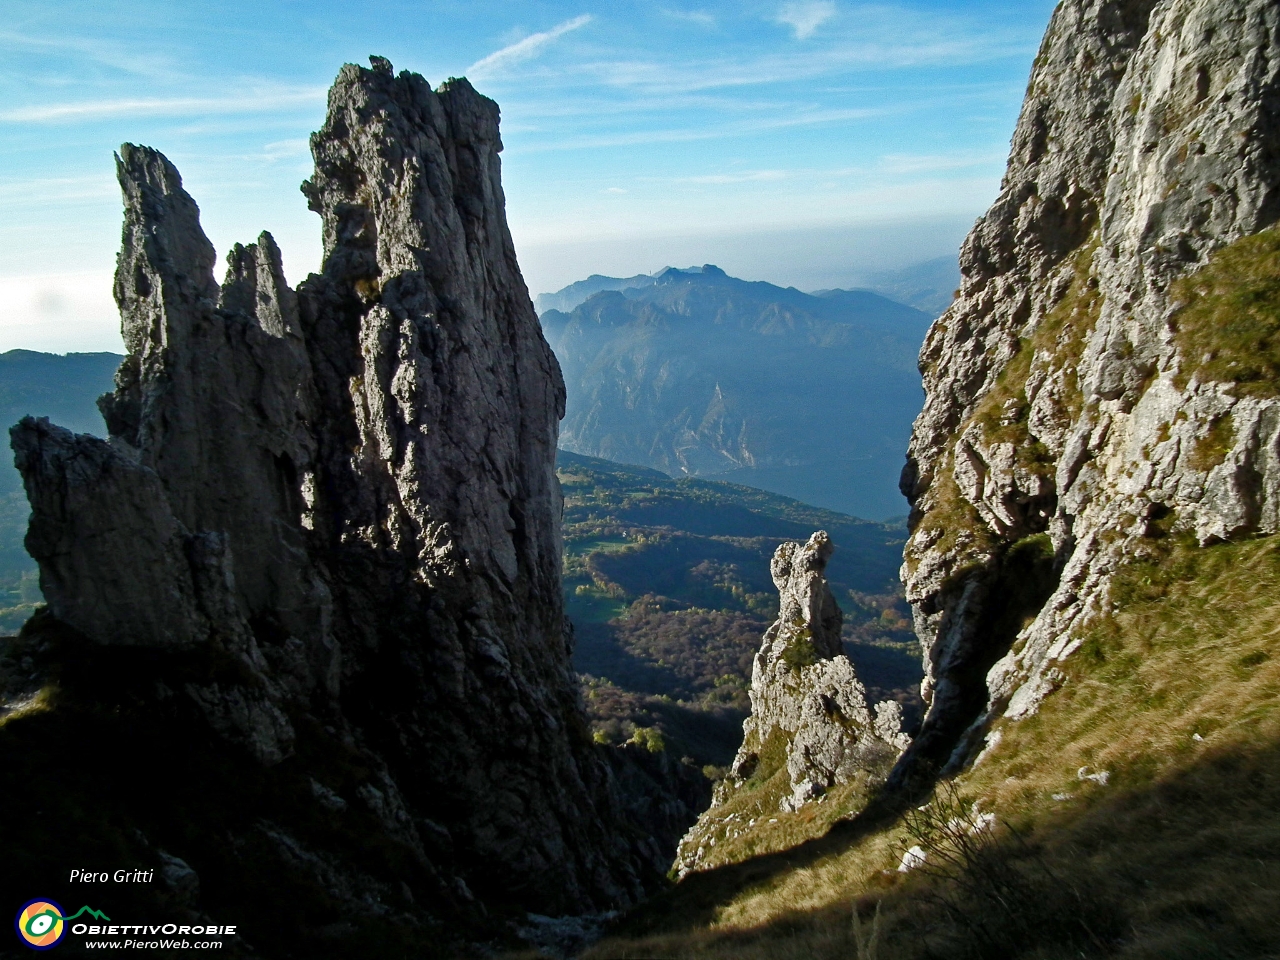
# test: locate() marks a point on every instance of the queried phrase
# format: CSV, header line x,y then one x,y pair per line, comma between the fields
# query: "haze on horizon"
x,y
803,142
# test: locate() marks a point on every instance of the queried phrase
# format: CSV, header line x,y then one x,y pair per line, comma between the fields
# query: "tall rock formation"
x,y
810,728
341,503
1085,397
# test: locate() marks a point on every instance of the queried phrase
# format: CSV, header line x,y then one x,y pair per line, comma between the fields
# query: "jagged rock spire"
x,y
349,494
807,703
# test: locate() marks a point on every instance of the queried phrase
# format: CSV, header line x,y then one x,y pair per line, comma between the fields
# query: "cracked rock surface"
x,y
345,496
1067,424
806,700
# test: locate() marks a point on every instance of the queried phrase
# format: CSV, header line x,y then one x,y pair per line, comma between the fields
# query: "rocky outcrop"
x,y
342,502
1080,407
809,713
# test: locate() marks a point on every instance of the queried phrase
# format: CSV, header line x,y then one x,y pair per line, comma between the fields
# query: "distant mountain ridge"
x,y
928,286
703,374
575,293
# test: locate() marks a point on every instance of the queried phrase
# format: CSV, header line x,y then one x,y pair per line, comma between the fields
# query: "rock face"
x,y
1084,401
809,711
346,497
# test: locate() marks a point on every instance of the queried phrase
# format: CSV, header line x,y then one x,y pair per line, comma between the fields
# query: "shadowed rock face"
x,y
348,493
1066,426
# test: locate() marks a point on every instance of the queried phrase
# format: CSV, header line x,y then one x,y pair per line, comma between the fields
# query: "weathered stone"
x,y
1148,141
804,690
350,492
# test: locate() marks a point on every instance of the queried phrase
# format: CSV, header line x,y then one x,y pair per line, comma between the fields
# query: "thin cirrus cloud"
x,y
89,110
888,165
924,47
934,163
57,191
718,179
102,53
805,17
700,17
525,49
692,134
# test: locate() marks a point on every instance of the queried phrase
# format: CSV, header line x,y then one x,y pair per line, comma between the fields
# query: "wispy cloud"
x,y
298,149
101,52
693,134
284,149
889,165
56,191
719,179
871,52
525,49
934,163
250,101
806,16
693,16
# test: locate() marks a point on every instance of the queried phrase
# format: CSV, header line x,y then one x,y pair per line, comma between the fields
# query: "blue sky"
x,y
805,142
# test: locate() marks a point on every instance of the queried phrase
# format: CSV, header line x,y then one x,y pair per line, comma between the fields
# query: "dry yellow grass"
x,y
1174,698
1228,328
24,705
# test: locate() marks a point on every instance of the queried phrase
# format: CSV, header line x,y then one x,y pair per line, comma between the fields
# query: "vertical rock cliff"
x,y
337,510
1086,399
810,728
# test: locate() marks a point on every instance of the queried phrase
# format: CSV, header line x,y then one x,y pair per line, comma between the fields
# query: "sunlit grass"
x,y
1174,698
1228,328
28,704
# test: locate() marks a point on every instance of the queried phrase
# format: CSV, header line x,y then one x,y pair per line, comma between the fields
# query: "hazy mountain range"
x,y
694,372
927,286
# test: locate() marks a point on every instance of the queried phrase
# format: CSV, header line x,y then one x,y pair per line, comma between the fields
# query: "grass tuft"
x,y
1212,449
1228,328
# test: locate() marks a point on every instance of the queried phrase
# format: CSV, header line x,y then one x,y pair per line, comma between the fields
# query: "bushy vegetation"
x,y
1228,327
667,583
1137,815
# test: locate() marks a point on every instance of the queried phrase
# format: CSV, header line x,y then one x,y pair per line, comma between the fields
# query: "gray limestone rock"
x,y
350,491
805,694
1058,413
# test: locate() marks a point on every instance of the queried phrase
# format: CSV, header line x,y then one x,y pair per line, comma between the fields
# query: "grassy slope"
x,y
667,583
1174,696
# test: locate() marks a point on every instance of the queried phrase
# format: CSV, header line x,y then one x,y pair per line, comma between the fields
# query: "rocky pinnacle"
x,y
348,494
806,695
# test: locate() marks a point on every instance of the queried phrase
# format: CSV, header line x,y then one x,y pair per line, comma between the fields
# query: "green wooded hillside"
x,y
667,585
